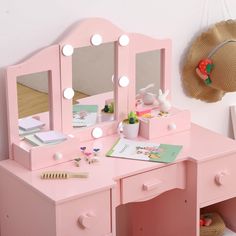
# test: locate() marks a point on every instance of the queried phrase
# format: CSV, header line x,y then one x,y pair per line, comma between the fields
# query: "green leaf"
x,y
208,81
209,68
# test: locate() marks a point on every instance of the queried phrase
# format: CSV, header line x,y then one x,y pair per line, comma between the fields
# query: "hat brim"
x,y
194,86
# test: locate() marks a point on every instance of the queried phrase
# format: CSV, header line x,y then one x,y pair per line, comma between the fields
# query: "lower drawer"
x,y
88,216
216,179
152,183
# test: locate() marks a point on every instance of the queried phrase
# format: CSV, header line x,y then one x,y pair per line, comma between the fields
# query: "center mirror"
x,y
92,78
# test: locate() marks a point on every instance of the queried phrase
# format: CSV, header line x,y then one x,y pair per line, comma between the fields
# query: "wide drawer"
x,y
216,179
152,183
87,216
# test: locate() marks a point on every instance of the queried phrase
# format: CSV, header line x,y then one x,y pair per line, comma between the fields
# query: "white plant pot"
x,y
106,117
130,131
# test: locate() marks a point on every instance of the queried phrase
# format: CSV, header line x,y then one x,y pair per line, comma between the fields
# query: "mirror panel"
x,y
148,81
32,94
33,98
148,70
92,71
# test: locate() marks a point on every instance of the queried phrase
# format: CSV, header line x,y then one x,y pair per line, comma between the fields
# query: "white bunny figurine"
x,y
146,97
164,104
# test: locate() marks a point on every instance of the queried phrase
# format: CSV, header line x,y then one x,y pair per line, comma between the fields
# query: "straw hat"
x,y
210,66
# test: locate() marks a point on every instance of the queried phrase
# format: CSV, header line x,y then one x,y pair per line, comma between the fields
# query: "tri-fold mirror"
x,y
80,89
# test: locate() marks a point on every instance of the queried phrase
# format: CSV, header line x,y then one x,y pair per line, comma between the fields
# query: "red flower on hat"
x,y
204,69
205,66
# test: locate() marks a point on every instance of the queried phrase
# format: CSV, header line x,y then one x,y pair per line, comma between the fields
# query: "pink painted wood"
x,y
45,60
60,66
80,36
176,121
60,204
143,43
202,174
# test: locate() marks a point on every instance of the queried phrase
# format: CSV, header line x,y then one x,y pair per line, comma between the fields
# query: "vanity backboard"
x,y
95,64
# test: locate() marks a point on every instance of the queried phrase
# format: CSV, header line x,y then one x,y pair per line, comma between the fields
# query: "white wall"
x,y
26,26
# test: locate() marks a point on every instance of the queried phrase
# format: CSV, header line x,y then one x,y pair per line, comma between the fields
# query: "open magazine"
x,y
140,150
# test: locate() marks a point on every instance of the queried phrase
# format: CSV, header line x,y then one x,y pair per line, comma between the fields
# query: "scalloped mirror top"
x,y
89,81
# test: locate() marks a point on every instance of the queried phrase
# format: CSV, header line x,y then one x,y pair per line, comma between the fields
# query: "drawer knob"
x,y
58,156
172,126
87,220
221,178
151,185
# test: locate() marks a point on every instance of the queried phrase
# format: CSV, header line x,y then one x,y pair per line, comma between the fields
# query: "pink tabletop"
x,y
198,145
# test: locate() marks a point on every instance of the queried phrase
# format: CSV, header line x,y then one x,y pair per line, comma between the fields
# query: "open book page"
x,y
140,150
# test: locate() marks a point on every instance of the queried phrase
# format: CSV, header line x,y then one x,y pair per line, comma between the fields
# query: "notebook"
x,y
50,136
30,123
145,151
26,132
36,142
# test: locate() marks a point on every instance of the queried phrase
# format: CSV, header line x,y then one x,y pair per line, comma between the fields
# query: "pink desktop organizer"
x,y
175,121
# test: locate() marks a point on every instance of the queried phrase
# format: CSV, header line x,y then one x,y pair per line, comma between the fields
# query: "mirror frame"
x,y
82,36
45,60
143,43
59,62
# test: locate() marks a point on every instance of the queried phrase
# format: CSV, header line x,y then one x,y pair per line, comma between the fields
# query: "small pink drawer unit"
x,y
175,121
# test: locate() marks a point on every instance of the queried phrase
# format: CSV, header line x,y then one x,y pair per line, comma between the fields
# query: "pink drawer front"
x,y
216,180
87,216
152,183
176,121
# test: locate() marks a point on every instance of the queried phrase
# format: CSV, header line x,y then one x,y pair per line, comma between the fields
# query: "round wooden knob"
x,y
87,220
58,156
221,178
172,126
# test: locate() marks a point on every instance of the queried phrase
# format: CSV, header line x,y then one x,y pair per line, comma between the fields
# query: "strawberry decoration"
x,y
204,69
205,220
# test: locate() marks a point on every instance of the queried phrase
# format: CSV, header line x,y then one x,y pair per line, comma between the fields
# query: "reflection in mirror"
x,y
32,91
92,71
33,98
148,79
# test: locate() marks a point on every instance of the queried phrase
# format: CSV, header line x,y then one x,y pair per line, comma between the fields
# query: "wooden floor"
x,y
31,101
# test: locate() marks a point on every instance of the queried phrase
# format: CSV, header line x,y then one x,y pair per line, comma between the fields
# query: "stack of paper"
x,y
26,132
30,123
45,138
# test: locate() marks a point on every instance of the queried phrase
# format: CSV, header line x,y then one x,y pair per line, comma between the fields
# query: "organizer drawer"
x,y
87,216
216,179
152,183
176,121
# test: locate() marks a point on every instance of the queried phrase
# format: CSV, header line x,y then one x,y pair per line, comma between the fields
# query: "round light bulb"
x,y
97,132
124,81
124,40
67,50
69,93
96,39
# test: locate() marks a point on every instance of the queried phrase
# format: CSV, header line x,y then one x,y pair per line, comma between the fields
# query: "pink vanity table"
x,y
120,197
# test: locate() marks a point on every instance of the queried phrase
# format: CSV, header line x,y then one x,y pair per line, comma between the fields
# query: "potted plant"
x,y
107,113
131,126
